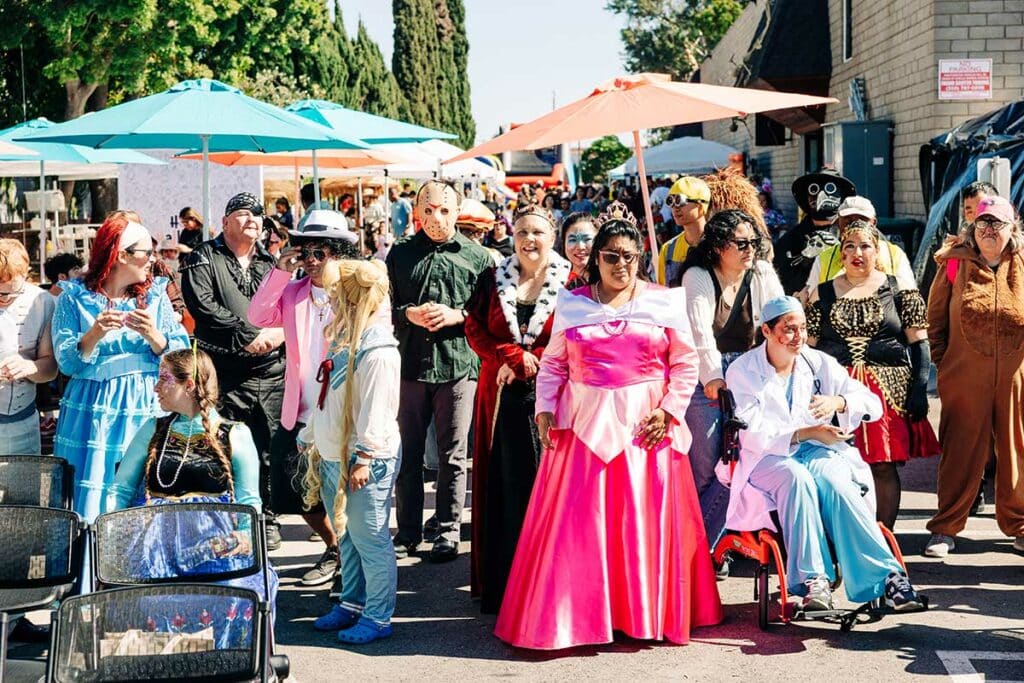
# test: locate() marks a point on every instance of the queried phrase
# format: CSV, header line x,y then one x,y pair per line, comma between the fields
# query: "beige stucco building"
x,y
895,46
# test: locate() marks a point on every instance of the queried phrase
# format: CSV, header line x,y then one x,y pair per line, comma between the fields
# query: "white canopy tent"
x,y
689,155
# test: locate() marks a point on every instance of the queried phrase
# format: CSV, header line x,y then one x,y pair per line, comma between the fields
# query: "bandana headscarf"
x,y
244,201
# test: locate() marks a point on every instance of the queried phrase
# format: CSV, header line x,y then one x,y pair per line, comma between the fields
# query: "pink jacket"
x,y
283,302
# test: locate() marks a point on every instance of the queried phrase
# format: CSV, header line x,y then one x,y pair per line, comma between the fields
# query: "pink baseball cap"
x,y
996,207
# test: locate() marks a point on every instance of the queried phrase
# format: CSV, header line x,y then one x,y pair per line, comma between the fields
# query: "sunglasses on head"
x,y
753,243
680,200
579,239
612,257
319,253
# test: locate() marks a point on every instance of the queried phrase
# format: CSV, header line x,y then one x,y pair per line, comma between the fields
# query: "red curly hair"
x,y
104,253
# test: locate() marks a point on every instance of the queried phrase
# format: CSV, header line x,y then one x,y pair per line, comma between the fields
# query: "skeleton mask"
x,y
437,208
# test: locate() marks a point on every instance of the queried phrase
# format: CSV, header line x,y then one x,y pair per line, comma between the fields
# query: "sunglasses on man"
x,y
320,254
612,257
674,201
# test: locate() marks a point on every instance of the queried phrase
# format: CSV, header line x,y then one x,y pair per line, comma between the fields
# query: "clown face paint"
x,y
437,207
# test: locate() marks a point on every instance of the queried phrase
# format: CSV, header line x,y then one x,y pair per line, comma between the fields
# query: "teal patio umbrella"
x,y
198,114
59,159
376,130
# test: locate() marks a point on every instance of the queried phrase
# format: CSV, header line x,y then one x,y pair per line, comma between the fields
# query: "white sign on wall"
x,y
965,79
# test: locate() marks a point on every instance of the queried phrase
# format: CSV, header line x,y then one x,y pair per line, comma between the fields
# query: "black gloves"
x,y
917,397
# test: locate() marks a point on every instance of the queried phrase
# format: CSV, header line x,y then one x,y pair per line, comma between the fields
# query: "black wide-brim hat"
x,y
844,186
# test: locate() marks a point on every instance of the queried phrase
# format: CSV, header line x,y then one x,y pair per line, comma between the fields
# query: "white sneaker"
x,y
1018,544
939,545
819,595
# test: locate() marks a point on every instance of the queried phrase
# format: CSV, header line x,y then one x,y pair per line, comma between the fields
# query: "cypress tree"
x,y
414,61
462,121
372,87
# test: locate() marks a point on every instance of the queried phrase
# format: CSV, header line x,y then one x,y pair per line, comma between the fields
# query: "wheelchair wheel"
x,y
763,598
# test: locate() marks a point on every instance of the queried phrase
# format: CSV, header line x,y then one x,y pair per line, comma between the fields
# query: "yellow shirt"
x,y
671,257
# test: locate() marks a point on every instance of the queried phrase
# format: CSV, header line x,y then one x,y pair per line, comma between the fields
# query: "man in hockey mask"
x,y
818,195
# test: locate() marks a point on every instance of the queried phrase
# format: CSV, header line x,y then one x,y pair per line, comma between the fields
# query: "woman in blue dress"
x,y
191,456
109,331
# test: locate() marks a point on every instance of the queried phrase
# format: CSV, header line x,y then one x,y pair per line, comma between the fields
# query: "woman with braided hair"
x,y
191,456
354,445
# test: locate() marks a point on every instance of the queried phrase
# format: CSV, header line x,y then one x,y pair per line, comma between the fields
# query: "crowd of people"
x,y
319,368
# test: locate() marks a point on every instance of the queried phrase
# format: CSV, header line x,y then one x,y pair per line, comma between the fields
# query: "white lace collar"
x,y
507,280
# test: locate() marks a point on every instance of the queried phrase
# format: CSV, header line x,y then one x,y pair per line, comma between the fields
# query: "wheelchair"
x,y
766,548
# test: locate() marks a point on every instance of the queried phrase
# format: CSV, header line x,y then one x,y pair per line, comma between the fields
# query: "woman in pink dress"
x,y
613,538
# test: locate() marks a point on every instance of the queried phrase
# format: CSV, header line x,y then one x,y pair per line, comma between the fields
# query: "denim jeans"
x,y
704,420
369,571
22,437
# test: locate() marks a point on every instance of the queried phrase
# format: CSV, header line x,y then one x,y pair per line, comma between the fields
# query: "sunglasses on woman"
x,y
579,239
612,257
989,225
743,245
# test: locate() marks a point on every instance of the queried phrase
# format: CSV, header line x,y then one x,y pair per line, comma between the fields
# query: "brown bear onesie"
x,y
976,331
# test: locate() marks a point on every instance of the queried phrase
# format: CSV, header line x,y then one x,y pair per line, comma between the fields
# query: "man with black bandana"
x,y
218,280
433,273
818,195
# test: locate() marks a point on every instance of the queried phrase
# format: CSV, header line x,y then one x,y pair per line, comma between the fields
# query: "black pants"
x,y
253,397
287,468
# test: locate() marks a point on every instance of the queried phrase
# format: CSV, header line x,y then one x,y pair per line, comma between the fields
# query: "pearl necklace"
x,y
163,450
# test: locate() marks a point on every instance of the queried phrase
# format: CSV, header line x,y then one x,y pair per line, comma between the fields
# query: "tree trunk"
x,y
103,192
78,95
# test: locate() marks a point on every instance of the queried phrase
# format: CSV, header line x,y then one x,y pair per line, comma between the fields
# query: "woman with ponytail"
x,y
109,331
191,456
354,445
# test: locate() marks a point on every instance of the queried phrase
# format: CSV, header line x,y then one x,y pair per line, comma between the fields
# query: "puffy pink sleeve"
x,y
682,373
265,309
553,373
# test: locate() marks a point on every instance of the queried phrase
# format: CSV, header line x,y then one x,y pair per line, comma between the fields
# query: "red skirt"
x,y
893,438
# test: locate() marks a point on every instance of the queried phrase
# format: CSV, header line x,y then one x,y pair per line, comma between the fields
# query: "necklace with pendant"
x,y
611,323
160,460
321,307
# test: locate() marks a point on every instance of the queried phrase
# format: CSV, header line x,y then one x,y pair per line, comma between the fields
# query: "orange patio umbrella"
x,y
636,102
324,158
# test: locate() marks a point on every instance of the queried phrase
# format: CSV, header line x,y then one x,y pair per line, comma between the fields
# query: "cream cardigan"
x,y
700,309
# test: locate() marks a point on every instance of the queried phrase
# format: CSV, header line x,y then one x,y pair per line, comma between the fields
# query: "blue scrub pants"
x,y
816,495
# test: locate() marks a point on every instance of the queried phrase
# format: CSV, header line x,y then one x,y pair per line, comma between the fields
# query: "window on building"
x,y
767,132
813,152
847,29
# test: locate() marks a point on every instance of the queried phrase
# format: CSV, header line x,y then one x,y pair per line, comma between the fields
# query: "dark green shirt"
x,y
422,270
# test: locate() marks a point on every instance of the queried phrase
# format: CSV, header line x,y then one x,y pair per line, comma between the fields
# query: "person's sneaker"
x,y
900,595
404,548
1018,544
338,618
315,536
939,545
722,573
819,595
273,537
431,529
324,569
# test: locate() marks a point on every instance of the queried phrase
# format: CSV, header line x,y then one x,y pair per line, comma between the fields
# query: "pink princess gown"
x,y
613,538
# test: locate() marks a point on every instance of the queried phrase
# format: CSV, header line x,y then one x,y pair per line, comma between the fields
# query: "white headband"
x,y
133,234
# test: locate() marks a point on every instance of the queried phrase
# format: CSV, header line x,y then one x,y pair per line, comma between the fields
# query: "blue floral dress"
x,y
111,391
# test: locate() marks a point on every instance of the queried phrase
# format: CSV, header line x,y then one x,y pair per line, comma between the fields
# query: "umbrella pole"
x,y
387,202
206,186
643,189
42,220
297,204
316,183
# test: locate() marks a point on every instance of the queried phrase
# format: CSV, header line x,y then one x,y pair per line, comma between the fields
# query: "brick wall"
x,y
896,48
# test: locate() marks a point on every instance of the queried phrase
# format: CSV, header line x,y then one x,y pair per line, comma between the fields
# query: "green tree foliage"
x,y
673,36
430,65
603,155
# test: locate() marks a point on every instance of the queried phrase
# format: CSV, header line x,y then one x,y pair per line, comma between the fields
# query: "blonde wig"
x,y
357,290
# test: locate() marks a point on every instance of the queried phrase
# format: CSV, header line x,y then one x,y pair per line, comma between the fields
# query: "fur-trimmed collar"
x,y
507,280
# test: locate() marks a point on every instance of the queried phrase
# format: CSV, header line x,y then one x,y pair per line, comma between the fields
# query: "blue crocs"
x,y
363,632
338,618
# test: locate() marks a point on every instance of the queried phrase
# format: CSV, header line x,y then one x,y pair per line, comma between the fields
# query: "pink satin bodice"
x,y
617,354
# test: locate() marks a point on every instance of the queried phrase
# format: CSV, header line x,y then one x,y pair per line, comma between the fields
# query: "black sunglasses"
x,y
743,245
319,254
612,257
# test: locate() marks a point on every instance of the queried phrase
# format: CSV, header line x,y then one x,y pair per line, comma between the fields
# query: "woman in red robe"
x,y
508,326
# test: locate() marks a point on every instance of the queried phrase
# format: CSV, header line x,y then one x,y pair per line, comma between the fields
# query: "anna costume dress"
x,y
506,448
613,538
866,335
187,470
